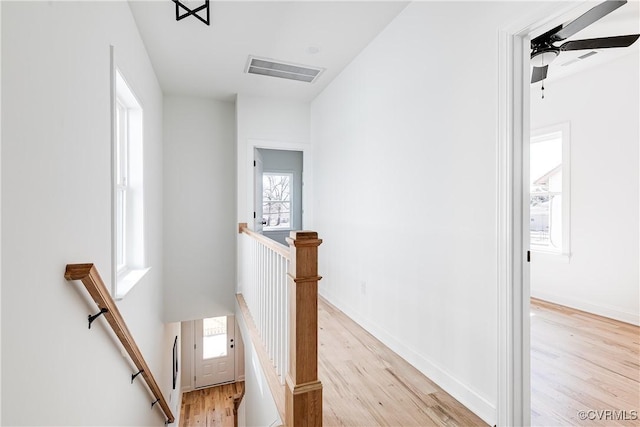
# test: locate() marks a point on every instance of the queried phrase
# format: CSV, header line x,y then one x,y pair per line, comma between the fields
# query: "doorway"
x,y
278,187
514,198
214,351
584,249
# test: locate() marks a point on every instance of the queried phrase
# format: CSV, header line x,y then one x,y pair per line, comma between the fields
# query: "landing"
x,y
367,384
211,407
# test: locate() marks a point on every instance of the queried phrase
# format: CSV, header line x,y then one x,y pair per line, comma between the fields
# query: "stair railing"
x,y
280,299
88,274
265,292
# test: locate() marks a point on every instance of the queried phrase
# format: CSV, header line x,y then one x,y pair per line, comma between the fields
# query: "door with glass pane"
x,y
214,351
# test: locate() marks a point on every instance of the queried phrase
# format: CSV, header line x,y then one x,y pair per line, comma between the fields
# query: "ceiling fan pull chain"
x,y
542,90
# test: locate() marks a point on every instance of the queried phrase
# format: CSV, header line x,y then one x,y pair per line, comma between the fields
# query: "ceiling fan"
x,y
543,50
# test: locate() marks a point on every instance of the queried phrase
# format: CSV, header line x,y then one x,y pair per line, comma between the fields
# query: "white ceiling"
x,y
191,58
622,21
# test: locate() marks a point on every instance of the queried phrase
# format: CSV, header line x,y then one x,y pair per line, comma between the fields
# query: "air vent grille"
x,y
580,58
586,55
283,70
573,61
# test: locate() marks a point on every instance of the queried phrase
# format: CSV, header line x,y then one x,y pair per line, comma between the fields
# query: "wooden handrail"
x,y
88,274
278,248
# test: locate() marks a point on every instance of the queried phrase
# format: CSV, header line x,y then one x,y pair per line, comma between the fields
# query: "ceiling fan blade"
x,y
601,43
587,19
539,73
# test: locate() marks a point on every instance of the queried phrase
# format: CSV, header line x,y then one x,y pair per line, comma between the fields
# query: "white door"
x,y
214,351
258,170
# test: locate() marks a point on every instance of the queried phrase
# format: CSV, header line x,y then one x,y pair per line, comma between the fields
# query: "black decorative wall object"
x,y
175,361
182,11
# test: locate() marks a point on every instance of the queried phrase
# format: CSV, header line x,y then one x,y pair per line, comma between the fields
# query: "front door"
x,y
214,351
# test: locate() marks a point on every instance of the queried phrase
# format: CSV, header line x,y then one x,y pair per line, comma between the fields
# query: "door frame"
x,y
258,210
512,239
307,185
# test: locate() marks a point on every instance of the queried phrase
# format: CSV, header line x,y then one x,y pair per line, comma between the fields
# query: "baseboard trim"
x,y
603,310
462,393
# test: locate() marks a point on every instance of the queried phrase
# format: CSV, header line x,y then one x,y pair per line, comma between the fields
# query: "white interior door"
x,y
214,351
258,169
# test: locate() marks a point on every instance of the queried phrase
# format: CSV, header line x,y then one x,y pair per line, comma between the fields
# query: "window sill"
x,y
127,280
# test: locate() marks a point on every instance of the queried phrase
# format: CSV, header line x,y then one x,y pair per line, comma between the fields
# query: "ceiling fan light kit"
x,y
542,58
544,51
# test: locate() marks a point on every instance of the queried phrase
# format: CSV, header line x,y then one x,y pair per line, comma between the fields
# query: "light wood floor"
x,y
366,384
211,407
580,361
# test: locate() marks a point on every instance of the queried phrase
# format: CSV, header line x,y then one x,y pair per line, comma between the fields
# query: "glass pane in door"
x,y
214,337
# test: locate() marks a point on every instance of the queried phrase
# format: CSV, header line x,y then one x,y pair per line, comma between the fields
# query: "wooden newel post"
x,y
303,401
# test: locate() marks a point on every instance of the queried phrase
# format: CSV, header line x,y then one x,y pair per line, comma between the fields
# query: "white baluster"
x,y
272,324
263,272
276,311
269,315
286,325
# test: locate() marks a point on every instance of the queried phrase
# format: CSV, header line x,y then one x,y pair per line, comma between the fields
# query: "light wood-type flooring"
x,y
211,407
582,362
367,384
364,384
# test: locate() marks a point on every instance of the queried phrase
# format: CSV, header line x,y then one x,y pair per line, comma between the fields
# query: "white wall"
x,y
186,351
405,185
173,396
239,353
257,407
0,211
200,225
602,106
56,209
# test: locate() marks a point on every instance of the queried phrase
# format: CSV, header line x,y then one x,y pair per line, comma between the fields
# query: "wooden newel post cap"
x,y
303,238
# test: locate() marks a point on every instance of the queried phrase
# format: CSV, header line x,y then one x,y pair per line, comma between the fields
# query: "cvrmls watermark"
x,y
608,415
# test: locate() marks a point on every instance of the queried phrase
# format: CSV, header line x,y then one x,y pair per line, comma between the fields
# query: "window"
x,y
549,190
121,181
128,233
214,337
276,200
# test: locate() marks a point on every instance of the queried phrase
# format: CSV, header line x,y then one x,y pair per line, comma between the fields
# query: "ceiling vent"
x,y
268,67
580,58
586,55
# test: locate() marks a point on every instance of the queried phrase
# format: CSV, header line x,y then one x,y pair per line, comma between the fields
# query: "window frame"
x,y
290,175
545,134
121,173
129,264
